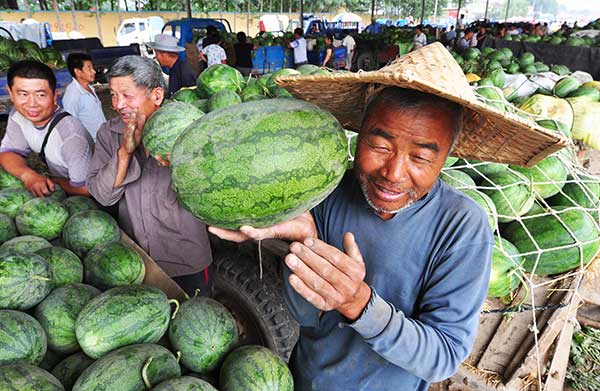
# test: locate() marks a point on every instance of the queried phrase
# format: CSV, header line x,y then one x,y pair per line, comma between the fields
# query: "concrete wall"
x,y
85,21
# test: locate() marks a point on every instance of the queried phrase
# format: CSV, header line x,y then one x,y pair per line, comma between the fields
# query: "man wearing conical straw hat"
x,y
387,276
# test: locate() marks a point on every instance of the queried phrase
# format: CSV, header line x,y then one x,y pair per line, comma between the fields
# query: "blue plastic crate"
x,y
340,54
275,54
258,58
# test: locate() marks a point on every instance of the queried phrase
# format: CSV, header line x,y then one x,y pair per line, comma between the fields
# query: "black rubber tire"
x,y
257,304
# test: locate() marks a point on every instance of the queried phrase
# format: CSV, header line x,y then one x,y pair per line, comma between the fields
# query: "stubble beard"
x,y
364,179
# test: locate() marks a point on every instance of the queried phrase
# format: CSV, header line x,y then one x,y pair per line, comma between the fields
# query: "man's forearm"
x,y
123,159
14,164
70,189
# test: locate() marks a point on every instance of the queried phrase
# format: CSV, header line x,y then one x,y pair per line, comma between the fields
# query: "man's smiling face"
x,y
401,153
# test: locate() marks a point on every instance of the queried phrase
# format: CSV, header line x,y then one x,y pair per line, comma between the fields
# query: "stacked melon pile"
x,y
74,313
545,218
23,49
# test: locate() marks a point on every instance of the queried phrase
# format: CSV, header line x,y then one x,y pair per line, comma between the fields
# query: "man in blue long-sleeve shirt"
x,y
388,274
388,296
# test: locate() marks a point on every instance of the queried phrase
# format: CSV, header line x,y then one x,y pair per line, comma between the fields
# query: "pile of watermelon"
x,y
23,49
75,314
545,218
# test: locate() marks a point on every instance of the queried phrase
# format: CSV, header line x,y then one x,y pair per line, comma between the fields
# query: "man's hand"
x,y
298,228
38,185
134,128
163,162
328,278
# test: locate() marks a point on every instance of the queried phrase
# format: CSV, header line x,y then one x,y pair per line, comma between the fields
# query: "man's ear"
x,y
9,92
55,92
157,95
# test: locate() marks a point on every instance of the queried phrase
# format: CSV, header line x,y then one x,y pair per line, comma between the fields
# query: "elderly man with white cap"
x,y
167,55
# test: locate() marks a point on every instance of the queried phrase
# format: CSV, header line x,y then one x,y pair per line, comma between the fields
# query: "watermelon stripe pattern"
x,y
113,264
22,339
122,316
258,165
255,368
25,280
20,377
122,369
68,370
12,199
66,266
203,331
41,217
185,383
85,230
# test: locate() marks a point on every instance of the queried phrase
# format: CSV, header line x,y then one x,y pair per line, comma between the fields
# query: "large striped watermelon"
x,y
24,244
22,339
165,124
22,377
125,369
548,176
203,331
68,370
256,164
42,217
506,263
122,316
113,264
185,383
219,77
8,230
222,99
257,368
76,204
57,314
85,230
511,192
12,199
25,280
66,266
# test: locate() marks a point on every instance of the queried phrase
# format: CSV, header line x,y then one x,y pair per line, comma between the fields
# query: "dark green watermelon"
x,y
582,190
66,266
486,204
550,233
279,92
68,370
85,230
59,310
253,92
506,264
185,383
50,360
113,264
122,369
187,95
76,204
22,339
219,77
8,230
24,244
122,316
12,199
547,177
512,194
8,181
307,69
166,124
58,194
222,99
23,377
41,217
272,82
258,164
25,280
203,331
457,179
255,368
201,104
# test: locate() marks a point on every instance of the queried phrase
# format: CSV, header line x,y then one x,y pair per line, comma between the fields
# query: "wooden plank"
x,y
488,324
155,276
558,367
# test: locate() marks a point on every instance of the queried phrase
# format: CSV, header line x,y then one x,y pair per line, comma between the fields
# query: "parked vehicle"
x,y
139,30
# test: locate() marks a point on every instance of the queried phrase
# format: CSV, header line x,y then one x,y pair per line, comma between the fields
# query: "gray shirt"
x,y
68,151
148,207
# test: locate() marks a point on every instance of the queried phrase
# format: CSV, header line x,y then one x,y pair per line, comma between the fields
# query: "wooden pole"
x,y
74,16
188,8
372,10
55,7
422,10
507,9
458,13
302,14
98,20
119,13
248,17
487,3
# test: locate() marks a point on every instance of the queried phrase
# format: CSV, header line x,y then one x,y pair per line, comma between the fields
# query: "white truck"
x,y
139,30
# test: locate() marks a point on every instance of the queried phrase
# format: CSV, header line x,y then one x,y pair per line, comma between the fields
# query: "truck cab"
x,y
139,30
189,30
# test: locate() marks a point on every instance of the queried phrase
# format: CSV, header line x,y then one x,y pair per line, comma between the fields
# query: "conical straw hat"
x,y
488,134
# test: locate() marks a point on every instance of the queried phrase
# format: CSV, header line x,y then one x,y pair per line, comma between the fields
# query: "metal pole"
x,y
507,8
487,3
188,8
422,10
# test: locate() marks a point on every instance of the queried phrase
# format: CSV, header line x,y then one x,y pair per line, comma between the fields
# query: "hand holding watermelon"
x,y
299,228
329,278
37,184
134,127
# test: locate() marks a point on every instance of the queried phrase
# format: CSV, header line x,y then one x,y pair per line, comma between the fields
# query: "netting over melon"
x,y
549,213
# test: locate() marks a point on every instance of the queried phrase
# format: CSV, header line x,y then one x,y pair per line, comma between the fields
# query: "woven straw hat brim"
x,y
488,134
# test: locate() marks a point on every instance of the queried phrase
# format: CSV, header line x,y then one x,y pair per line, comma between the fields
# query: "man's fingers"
x,y
226,234
311,296
312,278
258,233
50,184
351,247
335,256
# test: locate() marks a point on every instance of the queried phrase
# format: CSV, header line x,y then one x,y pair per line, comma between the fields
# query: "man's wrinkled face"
x,y
87,73
400,154
127,97
33,99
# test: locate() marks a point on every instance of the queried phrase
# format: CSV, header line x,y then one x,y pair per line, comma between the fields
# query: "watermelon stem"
x,y
145,373
41,278
178,356
173,301
197,292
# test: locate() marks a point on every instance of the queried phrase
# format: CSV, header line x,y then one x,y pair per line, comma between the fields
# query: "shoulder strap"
x,y
53,124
